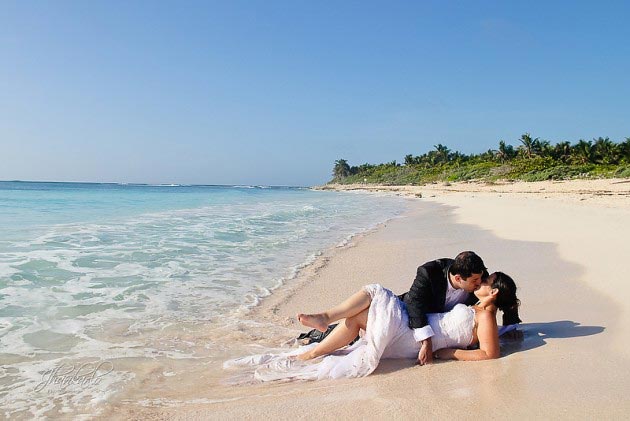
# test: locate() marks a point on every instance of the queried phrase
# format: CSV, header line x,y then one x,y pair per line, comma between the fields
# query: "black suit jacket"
x,y
428,292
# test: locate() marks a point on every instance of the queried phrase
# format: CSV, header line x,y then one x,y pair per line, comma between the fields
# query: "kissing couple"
x,y
448,313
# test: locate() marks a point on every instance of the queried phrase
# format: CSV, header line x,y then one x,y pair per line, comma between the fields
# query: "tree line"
x,y
532,159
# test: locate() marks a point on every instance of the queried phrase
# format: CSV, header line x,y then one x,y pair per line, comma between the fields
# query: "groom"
x,y
438,287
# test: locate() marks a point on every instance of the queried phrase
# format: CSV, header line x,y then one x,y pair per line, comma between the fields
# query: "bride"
x,y
383,318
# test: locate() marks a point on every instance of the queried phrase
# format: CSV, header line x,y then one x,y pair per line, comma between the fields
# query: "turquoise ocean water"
x,y
116,272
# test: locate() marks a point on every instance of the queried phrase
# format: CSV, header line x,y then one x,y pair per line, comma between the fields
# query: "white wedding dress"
x,y
387,335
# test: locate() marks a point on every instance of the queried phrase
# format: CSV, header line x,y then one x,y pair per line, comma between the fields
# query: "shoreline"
x,y
270,306
569,344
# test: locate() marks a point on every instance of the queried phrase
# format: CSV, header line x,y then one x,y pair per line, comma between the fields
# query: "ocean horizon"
x,y
123,183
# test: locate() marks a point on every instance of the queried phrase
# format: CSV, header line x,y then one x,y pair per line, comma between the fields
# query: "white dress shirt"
x,y
453,297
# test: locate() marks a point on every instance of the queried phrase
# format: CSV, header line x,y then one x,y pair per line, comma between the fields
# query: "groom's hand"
x,y
425,356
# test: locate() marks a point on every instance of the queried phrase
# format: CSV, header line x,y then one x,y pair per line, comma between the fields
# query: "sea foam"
x,y
109,272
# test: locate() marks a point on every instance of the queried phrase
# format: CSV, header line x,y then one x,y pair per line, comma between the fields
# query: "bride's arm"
x,y
488,335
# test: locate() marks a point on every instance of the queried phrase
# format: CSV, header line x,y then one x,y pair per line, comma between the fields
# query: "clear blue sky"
x,y
272,92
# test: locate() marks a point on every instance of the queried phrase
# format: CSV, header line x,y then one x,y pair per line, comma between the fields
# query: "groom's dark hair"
x,y
466,263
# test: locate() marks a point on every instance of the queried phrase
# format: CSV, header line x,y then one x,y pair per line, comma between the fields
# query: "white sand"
x,y
566,255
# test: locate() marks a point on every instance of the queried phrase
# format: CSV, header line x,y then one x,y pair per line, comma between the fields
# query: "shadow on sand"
x,y
536,334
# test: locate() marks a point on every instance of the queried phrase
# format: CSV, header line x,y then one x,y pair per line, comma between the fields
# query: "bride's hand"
x,y
443,354
425,355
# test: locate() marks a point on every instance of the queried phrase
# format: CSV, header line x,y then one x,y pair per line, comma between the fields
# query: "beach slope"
x,y
567,256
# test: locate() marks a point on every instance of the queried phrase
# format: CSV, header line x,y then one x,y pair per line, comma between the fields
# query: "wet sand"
x,y
566,255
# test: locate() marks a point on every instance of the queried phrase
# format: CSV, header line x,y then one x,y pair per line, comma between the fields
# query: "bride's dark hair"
x,y
506,300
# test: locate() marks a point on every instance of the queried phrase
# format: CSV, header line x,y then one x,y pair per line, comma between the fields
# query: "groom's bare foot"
x,y
305,357
316,321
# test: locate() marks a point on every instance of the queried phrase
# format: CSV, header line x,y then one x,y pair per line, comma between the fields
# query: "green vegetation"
x,y
532,160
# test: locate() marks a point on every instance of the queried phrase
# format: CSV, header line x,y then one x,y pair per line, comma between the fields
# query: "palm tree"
x,y
604,150
341,169
409,160
528,144
584,151
366,167
505,152
457,157
433,158
542,147
442,153
624,150
426,159
562,151
502,151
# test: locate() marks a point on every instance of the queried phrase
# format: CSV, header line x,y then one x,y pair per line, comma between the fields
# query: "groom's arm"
x,y
418,301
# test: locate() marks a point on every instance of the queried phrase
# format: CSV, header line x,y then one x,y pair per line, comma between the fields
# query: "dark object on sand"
x,y
315,335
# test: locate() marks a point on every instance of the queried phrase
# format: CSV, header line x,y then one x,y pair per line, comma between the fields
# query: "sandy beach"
x,y
174,191
563,242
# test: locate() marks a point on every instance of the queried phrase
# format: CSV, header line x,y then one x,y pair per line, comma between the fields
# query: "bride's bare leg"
x,y
352,306
341,336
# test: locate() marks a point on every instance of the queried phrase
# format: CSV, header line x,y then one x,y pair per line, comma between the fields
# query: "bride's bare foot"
x,y
316,321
